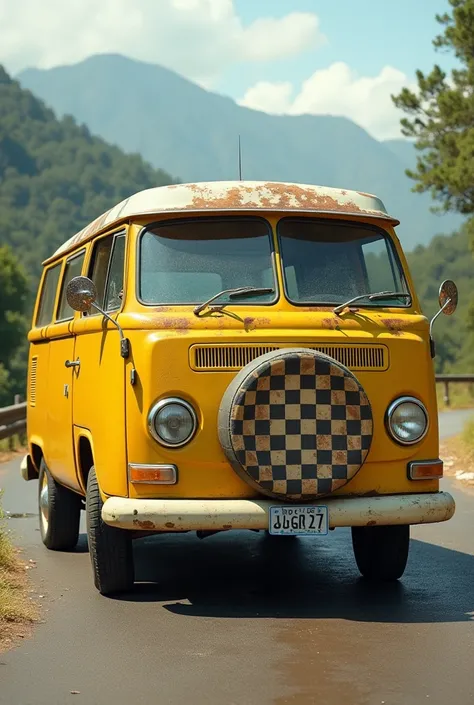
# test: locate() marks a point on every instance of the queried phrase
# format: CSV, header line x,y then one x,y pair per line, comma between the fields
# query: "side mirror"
x,y
448,297
81,293
448,302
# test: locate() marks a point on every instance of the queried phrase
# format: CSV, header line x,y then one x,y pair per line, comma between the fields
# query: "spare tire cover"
x,y
295,424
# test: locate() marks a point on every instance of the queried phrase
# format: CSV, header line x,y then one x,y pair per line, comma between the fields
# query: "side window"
x,y
99,268
114,295
73,269
48,296
107,271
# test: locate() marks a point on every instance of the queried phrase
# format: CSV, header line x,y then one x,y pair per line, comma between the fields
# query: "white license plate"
x,y
300,520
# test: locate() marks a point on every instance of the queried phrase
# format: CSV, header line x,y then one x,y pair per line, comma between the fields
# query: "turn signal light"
x,y
153,474
425,470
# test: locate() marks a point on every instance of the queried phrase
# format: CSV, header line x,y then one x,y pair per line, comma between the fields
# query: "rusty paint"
x,y
330,323
227,526
169,525
394,325
231,195
146,525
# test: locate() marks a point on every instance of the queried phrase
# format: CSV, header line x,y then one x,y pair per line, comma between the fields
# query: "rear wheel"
x,y
110,549
381,552
59,512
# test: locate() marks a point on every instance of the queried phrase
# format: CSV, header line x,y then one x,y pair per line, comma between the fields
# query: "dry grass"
x,y
17,610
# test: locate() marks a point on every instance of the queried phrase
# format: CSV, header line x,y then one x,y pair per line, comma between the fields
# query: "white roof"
x,y
232,196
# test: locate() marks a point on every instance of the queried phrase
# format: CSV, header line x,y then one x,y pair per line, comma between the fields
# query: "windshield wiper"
x,y
373,297
233,294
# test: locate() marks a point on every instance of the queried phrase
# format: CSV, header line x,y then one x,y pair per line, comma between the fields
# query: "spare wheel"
x,y
295,424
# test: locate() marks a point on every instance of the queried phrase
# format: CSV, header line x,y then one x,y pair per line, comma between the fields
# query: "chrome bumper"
x,y
223,514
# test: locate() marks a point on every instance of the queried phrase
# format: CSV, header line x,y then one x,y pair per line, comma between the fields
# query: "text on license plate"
x,y
298,520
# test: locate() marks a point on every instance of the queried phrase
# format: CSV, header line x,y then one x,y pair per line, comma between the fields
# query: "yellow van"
x,y
234,355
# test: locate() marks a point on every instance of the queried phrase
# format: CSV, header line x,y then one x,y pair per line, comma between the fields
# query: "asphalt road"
x,y
240,619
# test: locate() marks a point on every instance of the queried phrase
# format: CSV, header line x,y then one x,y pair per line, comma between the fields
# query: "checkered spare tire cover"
x,y
295,424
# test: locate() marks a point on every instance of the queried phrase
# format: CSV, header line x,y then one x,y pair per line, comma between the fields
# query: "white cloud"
x,y
337,90
198,38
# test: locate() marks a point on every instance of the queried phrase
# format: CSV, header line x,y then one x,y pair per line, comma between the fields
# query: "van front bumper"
x,y
223,514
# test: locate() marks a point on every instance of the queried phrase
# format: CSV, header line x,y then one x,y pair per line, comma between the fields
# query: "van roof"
x,y
233,196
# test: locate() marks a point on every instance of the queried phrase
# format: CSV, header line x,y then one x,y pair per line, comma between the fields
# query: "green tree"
x,y
13,294
440,117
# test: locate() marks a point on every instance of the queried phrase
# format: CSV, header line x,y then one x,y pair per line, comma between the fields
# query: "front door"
x,y
99,386
62,369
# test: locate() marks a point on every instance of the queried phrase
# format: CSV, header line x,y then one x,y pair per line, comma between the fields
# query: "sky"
x,y
344,57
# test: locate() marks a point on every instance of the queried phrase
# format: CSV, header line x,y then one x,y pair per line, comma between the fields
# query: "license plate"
x,y
300,520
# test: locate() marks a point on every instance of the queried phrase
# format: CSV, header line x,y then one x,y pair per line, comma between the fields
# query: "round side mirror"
x,y
448,291
81,292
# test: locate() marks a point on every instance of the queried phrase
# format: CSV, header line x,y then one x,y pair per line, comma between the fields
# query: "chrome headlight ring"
x,y
390,422
159,408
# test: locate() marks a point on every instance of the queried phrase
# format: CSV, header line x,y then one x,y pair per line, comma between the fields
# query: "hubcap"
x,y
44,504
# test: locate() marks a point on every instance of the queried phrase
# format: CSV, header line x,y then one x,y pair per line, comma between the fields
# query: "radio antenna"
x,y
240,161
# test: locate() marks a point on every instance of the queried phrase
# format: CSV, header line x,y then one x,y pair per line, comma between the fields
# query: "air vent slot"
x,y
32,382
215,358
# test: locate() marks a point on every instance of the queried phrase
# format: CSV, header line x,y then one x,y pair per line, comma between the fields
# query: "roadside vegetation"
x,y
461,396
17,610
458,456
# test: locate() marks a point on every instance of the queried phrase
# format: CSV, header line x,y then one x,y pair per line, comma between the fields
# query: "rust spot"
x,y
330,323
161,309
146,525
227,526
365,195
372,522
169,524
249,324
394,325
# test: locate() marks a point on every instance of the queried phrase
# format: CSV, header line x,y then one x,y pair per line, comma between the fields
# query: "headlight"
x,y
172,422
407,420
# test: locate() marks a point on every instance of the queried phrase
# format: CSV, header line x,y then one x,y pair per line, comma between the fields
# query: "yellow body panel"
x,y
113,412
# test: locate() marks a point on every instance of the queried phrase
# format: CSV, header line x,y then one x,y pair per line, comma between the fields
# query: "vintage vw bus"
x,y
242,355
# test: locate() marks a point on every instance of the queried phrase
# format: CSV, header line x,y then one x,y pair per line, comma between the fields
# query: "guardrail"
x,y
13,418
452,379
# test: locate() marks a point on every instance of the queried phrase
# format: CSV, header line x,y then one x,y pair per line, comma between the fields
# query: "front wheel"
x,y
59,512
110,548
381,552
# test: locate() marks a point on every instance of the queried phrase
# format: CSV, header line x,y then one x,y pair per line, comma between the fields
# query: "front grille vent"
x,y
220,358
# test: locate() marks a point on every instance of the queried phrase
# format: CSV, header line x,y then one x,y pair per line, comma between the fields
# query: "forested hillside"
x,y
448,257
55,177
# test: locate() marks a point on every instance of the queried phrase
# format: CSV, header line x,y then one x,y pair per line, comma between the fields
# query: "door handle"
x,y
73,363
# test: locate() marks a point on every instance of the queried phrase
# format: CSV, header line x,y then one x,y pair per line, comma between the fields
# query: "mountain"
x,y
55,176
193,134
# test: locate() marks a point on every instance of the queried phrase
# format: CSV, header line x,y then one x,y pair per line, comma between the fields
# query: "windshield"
x,y
189,261
330,262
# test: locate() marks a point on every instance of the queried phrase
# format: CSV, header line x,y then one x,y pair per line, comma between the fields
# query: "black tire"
x,y
110,549
59,512
381,552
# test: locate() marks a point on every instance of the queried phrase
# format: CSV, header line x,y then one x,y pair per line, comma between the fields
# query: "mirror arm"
x,y
124,342
448,301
